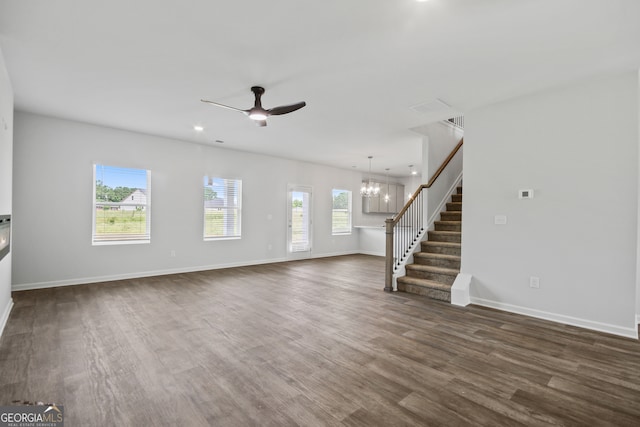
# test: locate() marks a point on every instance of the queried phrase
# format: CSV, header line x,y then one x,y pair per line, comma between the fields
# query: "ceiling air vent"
x,y
434,106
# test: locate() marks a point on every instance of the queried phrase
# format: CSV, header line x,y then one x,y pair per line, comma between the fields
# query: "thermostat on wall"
x,y
525,194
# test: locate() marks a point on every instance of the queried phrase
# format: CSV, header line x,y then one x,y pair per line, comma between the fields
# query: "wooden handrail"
x,y
433,179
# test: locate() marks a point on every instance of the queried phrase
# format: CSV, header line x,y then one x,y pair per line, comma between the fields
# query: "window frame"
x,y
349,210
238,208
136,239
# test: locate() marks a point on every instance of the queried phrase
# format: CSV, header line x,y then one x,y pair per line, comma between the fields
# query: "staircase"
x,y
436,266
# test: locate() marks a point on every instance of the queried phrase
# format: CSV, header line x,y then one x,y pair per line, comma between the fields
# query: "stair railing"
x,y
404,230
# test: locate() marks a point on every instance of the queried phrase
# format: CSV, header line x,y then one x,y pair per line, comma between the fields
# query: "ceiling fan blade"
x,y
261,123
224,106
284,109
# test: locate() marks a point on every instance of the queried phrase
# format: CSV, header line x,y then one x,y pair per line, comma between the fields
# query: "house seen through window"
x,y
121,205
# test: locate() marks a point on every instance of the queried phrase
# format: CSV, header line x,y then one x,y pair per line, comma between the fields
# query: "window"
x,y
341,213
222,208
121,205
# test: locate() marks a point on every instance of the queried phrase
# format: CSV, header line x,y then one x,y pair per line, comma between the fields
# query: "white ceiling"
x,y
360,65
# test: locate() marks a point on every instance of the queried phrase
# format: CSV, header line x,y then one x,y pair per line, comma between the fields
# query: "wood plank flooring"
x,y
309,343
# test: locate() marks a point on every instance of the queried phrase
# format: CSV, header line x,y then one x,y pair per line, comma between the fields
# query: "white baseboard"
x,y
140,274
559,318
136,275
374,253
5,316
637,319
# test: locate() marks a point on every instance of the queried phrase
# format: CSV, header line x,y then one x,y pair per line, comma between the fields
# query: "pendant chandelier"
x,y
387,197
369,188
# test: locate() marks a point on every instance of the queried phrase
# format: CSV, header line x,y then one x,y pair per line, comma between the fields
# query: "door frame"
x,y
291,188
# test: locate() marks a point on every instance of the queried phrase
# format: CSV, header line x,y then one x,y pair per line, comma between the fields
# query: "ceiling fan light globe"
x,y
257,115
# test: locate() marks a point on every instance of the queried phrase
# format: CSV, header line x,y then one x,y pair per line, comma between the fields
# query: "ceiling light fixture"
x,y
412,173
198,128
257,115
369,188
387,197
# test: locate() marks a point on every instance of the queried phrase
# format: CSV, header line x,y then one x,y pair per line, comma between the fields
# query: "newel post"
x,y
388,256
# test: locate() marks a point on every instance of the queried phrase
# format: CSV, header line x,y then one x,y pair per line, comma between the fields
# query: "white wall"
x,y
52,206
6,167
577,147
440,139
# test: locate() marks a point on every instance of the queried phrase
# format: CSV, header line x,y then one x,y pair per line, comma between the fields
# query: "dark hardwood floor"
x,y
309,343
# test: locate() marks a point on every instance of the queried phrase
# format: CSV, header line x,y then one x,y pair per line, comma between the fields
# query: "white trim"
x,y
637,319
460,290
5,316
137,275
559,318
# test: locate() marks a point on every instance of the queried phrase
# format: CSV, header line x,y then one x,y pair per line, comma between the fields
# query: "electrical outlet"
x,y
534,282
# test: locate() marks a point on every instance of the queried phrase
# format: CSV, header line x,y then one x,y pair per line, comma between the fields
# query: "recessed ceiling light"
x,y
198,128
219,141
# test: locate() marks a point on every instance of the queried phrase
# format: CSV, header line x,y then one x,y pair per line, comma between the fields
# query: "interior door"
x,y
299,230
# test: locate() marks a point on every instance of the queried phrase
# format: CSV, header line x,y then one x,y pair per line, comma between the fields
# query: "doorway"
x,y
299,234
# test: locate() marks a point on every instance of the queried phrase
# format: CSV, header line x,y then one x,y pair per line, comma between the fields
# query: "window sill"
x,y
213,239
120,242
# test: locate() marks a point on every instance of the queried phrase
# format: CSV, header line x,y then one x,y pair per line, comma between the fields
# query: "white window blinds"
x,y
222,208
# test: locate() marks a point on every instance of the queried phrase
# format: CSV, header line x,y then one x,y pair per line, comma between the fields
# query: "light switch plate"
x,y
500,219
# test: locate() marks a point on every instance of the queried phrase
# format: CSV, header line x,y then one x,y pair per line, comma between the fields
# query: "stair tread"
x,y
439,256
449,244
425,283
433,269
447,222
446,232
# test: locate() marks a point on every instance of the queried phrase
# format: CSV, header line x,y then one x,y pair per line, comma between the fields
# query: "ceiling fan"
x,y
259,114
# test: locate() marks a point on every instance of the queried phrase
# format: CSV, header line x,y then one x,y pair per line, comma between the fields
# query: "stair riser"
x,y
436,277
435,249
436,237
437,262
451,216
449,227
419,290
456,198
459,190
454,207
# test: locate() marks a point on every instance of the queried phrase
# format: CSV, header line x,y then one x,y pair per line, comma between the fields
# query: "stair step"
x,y
459,189
451,216
454,206
448,225
428,288
456,198
437,260
437,274
447,248
445,236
